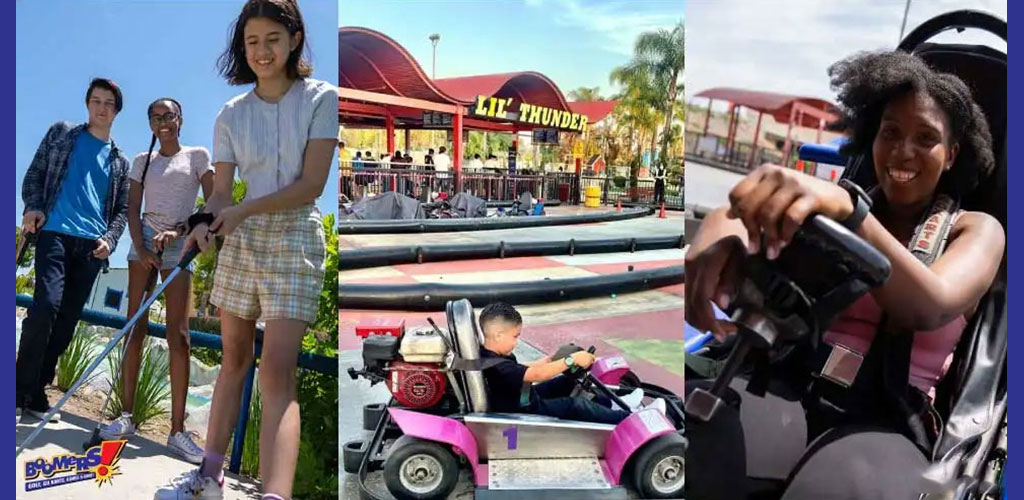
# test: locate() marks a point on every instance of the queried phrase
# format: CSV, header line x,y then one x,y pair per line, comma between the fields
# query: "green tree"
x,y
585,94
662,55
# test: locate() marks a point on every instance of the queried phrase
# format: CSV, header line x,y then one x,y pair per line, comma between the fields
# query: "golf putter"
x,y
26,240
95,439
189,256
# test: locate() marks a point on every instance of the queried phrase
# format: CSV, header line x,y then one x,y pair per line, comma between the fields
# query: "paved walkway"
x,y
144,465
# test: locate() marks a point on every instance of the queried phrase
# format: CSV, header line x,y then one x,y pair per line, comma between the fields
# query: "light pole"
x,y
434,38
906,9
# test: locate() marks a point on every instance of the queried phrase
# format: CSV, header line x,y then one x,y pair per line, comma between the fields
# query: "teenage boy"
x,y
76,202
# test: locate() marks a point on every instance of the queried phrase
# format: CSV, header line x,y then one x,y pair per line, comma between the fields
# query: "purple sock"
x,y
212,465
271,496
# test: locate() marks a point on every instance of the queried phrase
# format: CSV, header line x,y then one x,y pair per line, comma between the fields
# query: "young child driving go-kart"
x,y
540,387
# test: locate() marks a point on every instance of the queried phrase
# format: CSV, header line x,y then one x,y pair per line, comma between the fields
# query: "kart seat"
x,y
466,340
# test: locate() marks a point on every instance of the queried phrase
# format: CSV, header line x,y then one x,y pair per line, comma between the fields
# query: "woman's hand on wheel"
x,y
712,274
773,201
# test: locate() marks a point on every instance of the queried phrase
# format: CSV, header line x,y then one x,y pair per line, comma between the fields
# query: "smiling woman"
x,y
867,393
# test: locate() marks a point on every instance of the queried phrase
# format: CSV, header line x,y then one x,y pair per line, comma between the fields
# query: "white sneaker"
x,y
182,443
42,414
121,428
633,399
192,486
658,404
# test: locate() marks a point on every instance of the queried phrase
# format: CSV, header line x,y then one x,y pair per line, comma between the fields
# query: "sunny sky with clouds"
x,y
574,42
787,45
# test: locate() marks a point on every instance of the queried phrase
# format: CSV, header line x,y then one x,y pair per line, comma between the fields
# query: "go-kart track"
x,y
645,327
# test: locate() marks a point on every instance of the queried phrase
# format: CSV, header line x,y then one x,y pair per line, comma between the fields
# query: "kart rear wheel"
x,y
417,469
659,468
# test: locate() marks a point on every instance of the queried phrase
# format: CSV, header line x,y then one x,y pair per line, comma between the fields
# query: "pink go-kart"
x,y
438,423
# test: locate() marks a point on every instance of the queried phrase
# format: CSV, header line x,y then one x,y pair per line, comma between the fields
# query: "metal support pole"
x,y
238,443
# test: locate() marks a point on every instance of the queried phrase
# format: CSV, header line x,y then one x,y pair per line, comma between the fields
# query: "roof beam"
x,y
394,100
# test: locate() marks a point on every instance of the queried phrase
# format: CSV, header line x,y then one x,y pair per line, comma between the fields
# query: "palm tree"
x,y
638,108
658,61
663,53
585,94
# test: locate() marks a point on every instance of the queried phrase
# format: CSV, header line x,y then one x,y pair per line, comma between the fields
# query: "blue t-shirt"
x,y
78,210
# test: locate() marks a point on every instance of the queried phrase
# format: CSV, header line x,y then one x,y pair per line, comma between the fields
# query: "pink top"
x,y
930,356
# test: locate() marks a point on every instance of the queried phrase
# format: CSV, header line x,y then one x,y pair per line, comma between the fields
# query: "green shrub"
x,y
251,452
80,352
619,181
152,389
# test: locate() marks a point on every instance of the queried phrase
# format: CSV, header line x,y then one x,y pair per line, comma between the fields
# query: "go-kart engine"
x,y
416,385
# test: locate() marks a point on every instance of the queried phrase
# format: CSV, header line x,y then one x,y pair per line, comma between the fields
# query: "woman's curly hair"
x,y
865,82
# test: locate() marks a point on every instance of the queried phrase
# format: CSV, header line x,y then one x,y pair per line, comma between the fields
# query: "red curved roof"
x,y
370,60
777,105
528,86
594,110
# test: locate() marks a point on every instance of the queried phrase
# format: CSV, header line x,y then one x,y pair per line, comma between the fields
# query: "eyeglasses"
x,y
167,117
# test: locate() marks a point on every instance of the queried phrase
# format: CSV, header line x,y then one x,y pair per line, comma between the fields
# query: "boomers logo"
x,y
98,462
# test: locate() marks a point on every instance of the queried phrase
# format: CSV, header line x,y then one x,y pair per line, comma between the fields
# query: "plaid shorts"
x,y
272,266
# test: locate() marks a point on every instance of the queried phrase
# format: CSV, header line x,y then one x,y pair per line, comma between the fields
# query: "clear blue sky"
x,y
575,43
152,49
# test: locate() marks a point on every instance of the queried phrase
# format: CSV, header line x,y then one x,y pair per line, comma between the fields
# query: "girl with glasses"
x,y
168,180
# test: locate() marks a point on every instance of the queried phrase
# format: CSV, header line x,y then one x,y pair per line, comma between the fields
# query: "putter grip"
x,y
190,255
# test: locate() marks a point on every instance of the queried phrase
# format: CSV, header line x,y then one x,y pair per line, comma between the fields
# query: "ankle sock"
x,y
212,465
271,496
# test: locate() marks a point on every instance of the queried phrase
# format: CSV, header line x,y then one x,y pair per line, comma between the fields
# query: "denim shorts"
x,y
170,257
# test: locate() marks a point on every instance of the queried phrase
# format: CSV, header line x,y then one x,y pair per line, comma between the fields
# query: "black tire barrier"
x,y
508,203
389,256
434,296
653,206
483,224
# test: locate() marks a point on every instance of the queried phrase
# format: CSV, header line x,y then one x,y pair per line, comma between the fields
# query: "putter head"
x,y
95,440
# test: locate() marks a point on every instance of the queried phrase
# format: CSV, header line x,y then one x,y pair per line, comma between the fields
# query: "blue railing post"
x,y
238,443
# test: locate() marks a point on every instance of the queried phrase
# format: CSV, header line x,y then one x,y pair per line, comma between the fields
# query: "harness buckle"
x,y
842,365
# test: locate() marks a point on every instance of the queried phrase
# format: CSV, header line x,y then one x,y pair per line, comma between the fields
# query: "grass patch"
x,y
667,354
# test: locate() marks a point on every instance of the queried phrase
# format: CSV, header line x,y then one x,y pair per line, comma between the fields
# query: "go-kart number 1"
x,y
512,436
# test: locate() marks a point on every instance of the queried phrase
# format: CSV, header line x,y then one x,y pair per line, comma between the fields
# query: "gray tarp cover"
x,y
387,206
469,206
526,202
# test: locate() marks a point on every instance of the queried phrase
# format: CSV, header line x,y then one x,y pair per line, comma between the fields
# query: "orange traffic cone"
x,y
661,215
832,175
618,204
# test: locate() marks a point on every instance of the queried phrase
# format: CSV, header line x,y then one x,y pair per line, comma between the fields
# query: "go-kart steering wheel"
x,y
586,382
794,298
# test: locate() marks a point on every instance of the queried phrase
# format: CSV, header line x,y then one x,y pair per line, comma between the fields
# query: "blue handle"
x,y
824,153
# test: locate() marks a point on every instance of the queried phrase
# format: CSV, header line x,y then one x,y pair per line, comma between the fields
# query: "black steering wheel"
x,y
794,298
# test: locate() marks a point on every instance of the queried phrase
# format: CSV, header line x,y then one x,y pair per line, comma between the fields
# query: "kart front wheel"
x,y
417,469
659,468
